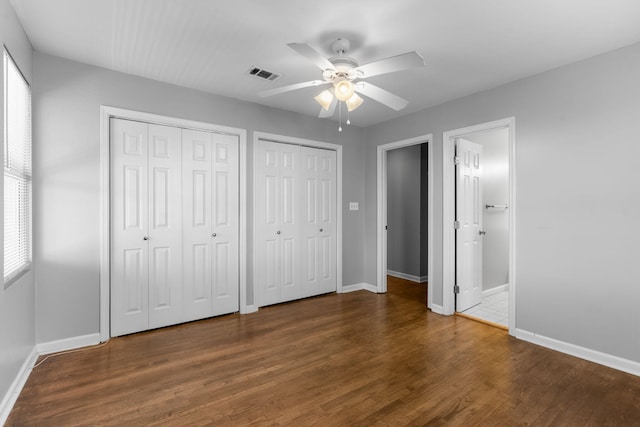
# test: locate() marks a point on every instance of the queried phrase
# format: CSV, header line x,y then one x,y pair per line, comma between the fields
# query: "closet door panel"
x,y
129,223
309,222
165,226
289,218
197,227
225,225
269,271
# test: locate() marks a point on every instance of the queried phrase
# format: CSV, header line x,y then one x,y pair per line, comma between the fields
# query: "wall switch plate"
x,y
353,206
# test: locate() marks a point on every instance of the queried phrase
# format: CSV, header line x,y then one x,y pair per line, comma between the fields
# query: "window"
x,y
17,172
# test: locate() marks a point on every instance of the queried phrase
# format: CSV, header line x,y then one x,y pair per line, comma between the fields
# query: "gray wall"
x,y
577,139
495,187
67,98
403,210
17,302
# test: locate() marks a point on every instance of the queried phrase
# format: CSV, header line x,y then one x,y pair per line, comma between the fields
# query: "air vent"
x,y
263,74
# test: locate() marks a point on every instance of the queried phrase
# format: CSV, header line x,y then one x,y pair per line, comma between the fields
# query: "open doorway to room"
x,y
405,214
478,251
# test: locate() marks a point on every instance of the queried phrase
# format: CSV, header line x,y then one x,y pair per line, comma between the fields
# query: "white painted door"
x,y
165,226
129,227
318,221
277,190
469,217
146,235
225,224
210,224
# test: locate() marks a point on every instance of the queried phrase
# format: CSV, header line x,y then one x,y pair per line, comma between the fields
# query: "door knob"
x,y
145,238
321,230
482,233
214,235
277,232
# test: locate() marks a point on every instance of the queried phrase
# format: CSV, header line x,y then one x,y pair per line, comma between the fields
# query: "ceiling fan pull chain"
x,y
339,116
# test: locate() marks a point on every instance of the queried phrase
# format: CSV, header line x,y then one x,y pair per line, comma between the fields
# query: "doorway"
x,y
480,219
383,216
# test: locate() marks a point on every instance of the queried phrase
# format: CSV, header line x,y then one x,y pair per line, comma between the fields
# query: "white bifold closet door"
x,y
210,199
295,218
162,188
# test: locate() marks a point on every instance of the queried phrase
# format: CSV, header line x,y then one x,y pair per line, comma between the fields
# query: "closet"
x,y
174,225
295,222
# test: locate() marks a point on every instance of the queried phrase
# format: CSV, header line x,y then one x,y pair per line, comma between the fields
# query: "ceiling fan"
x,y
345,77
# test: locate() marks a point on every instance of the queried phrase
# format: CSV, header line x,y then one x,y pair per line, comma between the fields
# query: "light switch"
x,y
353,206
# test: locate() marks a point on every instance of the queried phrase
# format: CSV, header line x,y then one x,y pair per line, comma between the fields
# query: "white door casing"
x,y
469,217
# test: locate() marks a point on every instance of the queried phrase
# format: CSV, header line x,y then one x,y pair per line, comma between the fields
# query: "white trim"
x,y
438,309
615,362
68,344
107,112
448,213
495,290
371,288
382,208
10,398
352,288
265,136
405,276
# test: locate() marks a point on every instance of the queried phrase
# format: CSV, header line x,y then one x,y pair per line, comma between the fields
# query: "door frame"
x,y
283,139
108,112
448,213
381,286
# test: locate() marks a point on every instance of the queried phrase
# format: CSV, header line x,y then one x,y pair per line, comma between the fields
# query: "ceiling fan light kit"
x,y
342,71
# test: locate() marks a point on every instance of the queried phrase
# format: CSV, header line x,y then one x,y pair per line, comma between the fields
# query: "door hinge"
x,y
456,160
456,289
456,224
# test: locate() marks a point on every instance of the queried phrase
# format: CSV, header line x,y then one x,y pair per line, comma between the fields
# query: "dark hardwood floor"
x,y
350,359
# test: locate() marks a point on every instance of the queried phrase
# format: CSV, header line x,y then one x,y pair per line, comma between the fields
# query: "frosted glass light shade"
x,y
344,90
324,98
354,102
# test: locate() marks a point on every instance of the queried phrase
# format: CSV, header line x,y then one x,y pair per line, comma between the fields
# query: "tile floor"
x,y
494,308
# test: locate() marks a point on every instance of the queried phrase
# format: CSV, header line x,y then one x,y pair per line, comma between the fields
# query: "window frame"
x,y
25,176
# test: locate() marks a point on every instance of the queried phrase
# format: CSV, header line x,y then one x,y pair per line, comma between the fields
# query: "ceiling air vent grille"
x,y
263,74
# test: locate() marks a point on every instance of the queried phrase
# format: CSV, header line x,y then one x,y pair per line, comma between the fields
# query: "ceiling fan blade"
x,y
288,88
328,113
312,55
391,64
381,95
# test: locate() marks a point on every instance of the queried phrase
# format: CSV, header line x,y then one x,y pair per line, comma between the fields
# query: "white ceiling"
x,y
468,45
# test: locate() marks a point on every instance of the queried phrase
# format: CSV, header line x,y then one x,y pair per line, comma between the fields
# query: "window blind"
x,y
17,171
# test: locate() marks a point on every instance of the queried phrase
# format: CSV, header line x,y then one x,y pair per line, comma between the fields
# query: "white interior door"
x,y
225,224
277,203
469,217
318,182
129,227
165,226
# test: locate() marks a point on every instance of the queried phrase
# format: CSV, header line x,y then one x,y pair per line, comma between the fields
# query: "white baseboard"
x,y
18,383
595,356
438,309
352,288
417,279
370,288
495,290
68,344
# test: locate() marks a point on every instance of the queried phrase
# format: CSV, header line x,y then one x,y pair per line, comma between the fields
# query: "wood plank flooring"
x,y
352,359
